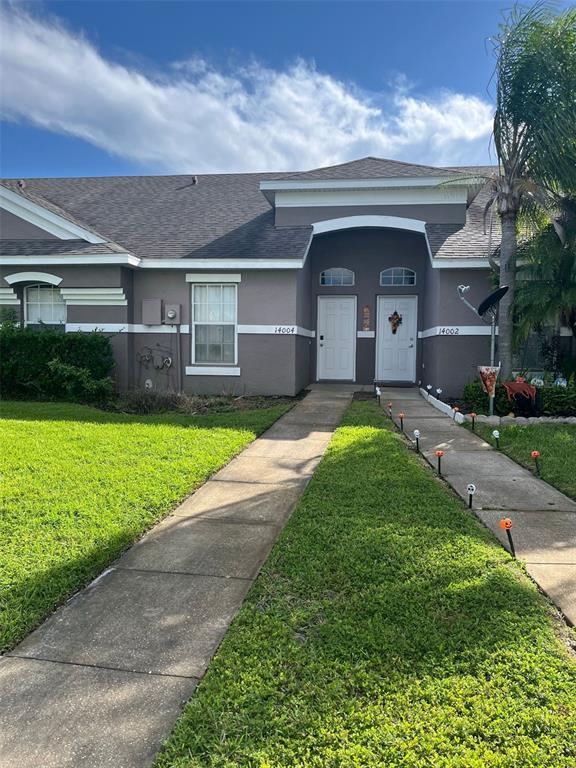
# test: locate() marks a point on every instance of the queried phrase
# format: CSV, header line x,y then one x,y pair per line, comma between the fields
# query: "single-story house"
x,y
259,283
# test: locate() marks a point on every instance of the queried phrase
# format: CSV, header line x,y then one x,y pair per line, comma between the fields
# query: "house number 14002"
x,y
285,329
449,331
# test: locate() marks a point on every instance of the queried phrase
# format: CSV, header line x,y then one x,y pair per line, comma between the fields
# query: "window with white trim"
x,y
214,324
398,276
337,276
43,305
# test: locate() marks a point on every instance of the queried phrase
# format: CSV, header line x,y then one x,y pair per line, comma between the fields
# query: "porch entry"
x,y
396,338
336,334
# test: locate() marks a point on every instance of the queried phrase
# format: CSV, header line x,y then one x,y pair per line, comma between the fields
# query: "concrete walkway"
x,y
544,520
102,681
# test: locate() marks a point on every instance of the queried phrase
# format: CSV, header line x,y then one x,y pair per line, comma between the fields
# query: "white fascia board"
x,y
33,277
214,264
122,259
471,263
43,218
414,181
214,277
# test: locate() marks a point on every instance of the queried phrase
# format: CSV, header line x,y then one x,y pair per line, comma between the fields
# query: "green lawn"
x,y
557,446
387,629
79,485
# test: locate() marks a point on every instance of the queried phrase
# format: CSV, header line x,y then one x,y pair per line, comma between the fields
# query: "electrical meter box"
x,y
172,314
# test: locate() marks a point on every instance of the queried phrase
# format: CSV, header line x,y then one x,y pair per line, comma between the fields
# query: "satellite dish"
x,y
490,303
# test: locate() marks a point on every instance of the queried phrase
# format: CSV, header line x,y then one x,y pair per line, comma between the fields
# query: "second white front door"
x,y
336,333
396,338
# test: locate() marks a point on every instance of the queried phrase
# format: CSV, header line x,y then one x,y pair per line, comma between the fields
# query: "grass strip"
x,y
79,485
387,628
556,443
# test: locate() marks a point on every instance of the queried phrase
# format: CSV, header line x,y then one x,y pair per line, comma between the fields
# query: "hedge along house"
x,y
258,283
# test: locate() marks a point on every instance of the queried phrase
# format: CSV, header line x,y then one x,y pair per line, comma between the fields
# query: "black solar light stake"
x,y
473,417
389,406
506,524
401,417
471,488
496,436
378,394
417,438
439,455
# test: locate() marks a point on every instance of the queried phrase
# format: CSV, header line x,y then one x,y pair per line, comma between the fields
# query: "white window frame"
x,y
25,289
397,285
209,365
342,285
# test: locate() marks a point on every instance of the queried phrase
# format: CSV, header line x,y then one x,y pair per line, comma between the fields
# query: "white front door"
x,y
336,334
396,338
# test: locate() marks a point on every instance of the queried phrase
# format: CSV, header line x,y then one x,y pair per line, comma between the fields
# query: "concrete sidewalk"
x,y
544,520
102,681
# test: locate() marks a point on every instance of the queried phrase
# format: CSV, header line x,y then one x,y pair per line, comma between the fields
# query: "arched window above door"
x,y
398,276
337,276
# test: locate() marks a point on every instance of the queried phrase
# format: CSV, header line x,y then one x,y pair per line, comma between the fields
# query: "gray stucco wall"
x,y
442,213
450,362
14,228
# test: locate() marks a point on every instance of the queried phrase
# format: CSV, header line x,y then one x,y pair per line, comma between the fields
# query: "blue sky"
x,y
92,88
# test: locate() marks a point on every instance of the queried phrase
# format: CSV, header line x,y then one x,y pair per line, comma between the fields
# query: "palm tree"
x,y
534,131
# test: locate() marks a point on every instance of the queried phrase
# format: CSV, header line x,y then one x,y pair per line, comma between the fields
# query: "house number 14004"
x,y
285,329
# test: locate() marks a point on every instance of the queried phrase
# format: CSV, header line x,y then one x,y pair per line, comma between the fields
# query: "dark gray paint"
x,y
450,362
444,213
367,252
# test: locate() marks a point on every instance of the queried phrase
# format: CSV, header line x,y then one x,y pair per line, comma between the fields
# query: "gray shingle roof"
x,y
370,168
53,248
473,240
218,216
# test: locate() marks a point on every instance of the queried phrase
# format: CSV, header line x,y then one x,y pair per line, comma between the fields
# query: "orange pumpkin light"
x,y
455,408
439,454
535,454
472,415
506,523
401,415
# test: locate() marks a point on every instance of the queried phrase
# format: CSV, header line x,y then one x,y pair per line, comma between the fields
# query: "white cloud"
x,y
195,118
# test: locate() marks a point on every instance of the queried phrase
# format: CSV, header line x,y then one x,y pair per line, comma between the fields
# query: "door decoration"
x,y
366,318
395,321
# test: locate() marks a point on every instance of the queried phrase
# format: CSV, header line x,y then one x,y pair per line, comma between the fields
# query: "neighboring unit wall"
x,y
455,340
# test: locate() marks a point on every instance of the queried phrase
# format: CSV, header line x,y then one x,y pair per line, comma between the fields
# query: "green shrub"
x,y
48,364
550,401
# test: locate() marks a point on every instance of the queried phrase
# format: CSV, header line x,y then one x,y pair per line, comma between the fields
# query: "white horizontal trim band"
x,y
276,330
214,277
125,328
7,296
203,370
121,259
365,334
455,330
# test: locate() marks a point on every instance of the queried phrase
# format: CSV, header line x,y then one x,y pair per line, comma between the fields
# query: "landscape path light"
x,y
471,488
378,394
473,417
496,436
536,455
401,416
429,388
439,393
455,410
417,438
439,455
506,524
389,406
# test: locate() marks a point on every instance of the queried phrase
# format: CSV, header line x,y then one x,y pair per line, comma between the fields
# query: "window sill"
x,y
214,370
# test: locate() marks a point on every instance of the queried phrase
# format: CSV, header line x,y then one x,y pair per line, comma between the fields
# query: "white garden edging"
x,y
521,421
446,409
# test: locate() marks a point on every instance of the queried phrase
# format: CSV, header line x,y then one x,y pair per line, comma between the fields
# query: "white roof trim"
x,y
404,181
353,222
124,259
36,277
43,218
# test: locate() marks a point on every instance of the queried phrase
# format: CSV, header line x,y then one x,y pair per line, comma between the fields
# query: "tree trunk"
x,y
508,248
